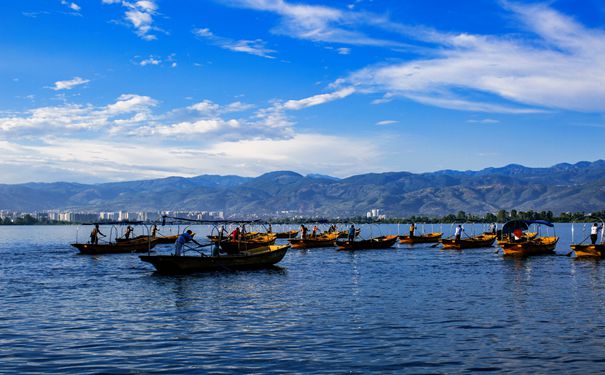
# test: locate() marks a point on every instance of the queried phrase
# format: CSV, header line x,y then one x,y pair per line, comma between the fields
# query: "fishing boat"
x,y
422,238
167,239
589,250
132,246
345,233
117,245
289,234
382,242
231,246
261,257
323,240
525,236
515,243
471,242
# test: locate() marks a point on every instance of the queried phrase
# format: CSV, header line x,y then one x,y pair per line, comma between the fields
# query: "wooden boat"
x,y
231,247
592,251
535,246
324,240
132,246
345,233
526,236
246,236
423,238
526,243
261,257
167,239
159,240
382,242
289,234
473,242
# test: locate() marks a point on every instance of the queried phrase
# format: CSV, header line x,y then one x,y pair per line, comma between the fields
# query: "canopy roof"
x,y
512,225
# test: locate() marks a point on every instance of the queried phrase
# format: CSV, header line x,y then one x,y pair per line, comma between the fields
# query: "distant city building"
x,y
375,214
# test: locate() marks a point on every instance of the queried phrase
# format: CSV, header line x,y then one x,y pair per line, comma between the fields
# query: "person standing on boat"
x,y
154,230
314,232
594,233
94,235
235,234
269,229
182,240
458,233
351,235
128,232
412,229
492,228
303,231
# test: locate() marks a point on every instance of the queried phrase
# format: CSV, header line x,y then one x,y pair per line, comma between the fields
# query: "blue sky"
x,y
106,90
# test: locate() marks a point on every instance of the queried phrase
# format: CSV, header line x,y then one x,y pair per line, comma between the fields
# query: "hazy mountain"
x,y
562,187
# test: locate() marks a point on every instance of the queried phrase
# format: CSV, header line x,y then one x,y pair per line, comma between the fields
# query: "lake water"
x,y
408,309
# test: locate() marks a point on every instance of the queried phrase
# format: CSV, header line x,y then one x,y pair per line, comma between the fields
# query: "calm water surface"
x,y
408,309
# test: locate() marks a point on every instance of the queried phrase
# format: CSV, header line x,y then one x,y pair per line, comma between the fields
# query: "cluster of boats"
x,y
245,250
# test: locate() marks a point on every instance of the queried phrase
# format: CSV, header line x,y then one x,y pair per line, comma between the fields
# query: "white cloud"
x,y
344,51
320,23
69,84
128,103
92,142
318,99
204,106
71,5
304,152
189,128
140,15
255,47
483,121
561,67
386,122
151,60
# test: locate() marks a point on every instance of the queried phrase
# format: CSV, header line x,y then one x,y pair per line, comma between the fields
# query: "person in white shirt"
x,y
594,233
458,232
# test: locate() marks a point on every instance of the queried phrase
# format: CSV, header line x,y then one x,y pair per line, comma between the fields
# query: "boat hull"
x,y
536,246
134,246
290,234
423,238
383,242
327,240
167,239
475,242
255,259
589,251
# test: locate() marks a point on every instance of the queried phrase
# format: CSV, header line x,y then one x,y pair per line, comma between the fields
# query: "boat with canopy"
x,y
515,241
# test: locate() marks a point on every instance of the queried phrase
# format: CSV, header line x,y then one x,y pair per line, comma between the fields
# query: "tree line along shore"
x,y
461,216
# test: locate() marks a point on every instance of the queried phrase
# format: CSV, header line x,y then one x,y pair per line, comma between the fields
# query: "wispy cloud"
x,y
318,99
153,60
139,15
93,142
255,47
71,5
483,121
386,122
561,67
69,84
555,64
321,23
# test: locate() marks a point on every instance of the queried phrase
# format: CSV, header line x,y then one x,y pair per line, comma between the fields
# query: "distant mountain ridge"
x,y
562,187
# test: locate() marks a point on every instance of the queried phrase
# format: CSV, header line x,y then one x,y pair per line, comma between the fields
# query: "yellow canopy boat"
x,y
472,242
323,240
516,241
422,238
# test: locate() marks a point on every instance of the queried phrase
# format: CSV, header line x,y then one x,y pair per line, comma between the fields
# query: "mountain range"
x,y
560,188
